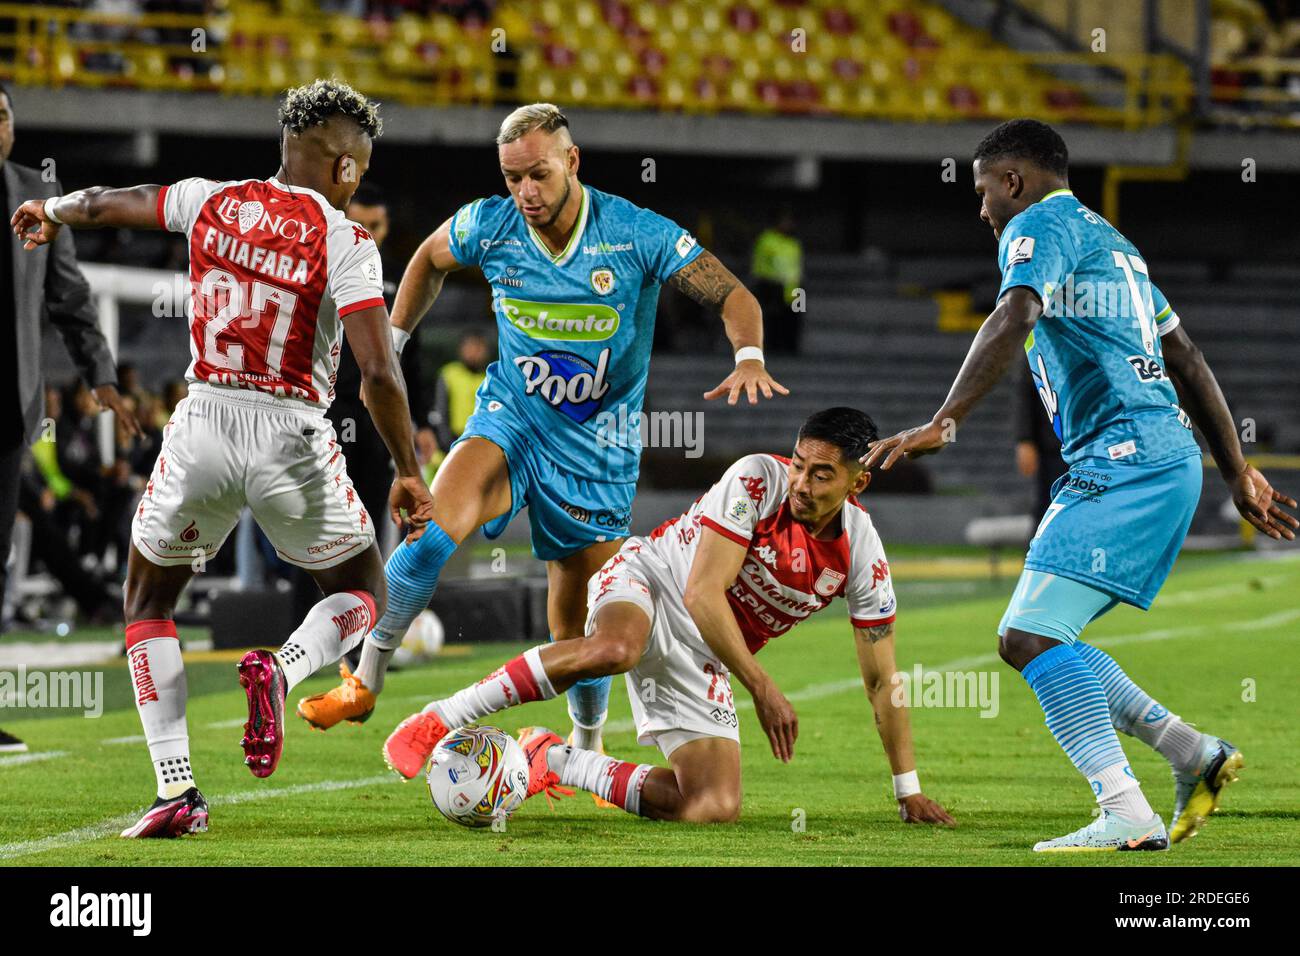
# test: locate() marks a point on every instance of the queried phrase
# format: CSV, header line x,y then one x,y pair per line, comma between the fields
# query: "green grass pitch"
x,y
1219,648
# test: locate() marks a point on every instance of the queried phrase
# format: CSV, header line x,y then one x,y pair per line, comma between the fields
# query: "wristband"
x,y
749,352
906,784
400,338
50,214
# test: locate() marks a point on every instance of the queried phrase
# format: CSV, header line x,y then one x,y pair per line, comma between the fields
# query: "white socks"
x,y
1118,791
159,687
588,738
330,630
617,781
518,681
373,665
1174,740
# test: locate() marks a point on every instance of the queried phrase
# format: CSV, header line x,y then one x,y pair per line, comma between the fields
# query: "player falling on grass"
x,y
1111,362
575,276
274,266
683,609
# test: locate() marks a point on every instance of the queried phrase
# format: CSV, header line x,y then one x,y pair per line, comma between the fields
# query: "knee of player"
x,y
1011,648
714,807
611,652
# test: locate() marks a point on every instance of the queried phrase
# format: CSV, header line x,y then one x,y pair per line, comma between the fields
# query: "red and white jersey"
x,y
272,270
787,574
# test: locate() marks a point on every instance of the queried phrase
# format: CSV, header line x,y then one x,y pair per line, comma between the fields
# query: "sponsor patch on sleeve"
x,y
739,510
685,243
1022,251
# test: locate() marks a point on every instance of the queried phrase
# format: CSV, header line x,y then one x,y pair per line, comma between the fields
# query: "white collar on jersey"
x,y
564,255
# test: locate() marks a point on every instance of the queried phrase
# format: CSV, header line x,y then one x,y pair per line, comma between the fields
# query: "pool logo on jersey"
x,y
602,281
568,382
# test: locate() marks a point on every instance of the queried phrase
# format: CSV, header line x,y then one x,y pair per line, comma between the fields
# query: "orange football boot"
x,y
351,701
537,742
409,747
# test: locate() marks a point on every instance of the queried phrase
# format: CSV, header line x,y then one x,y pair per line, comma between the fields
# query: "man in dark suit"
x,y
34,286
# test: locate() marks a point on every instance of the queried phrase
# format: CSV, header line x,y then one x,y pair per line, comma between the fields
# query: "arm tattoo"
x,y
706,280
880,632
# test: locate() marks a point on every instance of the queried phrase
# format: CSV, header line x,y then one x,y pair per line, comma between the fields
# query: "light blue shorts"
x,y
1118,527
566,513
1054,606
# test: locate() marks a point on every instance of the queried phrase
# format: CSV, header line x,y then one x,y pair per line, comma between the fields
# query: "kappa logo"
x,y
766,555
359,233
879,572
755,488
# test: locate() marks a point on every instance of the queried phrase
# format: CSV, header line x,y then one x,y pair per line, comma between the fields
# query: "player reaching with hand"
x,y
575,276
276,272
683,609
1111,361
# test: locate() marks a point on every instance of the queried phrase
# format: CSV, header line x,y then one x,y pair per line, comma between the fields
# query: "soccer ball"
x,y
477,775
423,640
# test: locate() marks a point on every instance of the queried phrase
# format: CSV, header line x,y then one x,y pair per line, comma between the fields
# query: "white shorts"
x,y
678,689
225,448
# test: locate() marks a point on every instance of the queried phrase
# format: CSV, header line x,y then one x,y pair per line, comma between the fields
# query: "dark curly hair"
x,y
1026,139
313,104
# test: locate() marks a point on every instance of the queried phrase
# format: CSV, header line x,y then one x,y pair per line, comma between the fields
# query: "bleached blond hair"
x,y
543,116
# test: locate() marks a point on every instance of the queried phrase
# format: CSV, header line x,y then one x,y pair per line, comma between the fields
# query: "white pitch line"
x,y
32,758
225,724
811,692
132,739
114,825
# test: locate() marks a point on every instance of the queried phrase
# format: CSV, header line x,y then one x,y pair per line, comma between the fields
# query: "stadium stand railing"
x,y
887,59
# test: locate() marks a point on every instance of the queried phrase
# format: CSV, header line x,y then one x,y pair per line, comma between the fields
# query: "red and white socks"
x,y
330,630
519,681
158,682
611,779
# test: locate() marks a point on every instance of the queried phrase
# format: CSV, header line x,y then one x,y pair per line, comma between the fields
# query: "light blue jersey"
x,y
1095,353
575,329
1118,518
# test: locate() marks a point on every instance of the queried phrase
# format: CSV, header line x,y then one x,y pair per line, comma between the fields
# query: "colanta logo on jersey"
x,y
562,321
566,381
252,215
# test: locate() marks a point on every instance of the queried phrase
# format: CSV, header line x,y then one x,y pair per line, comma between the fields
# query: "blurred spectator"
x,y
777,269
458,383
